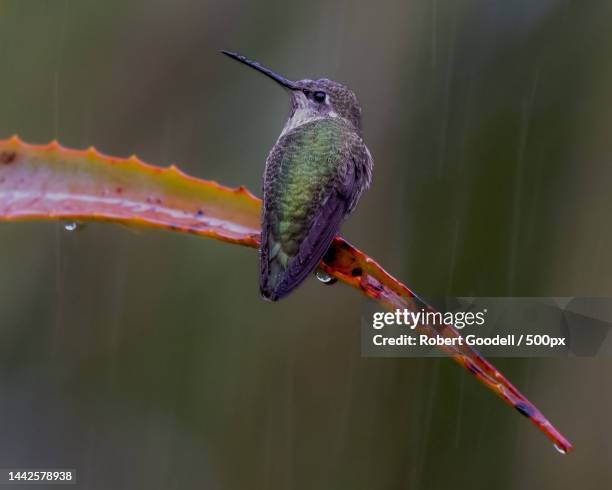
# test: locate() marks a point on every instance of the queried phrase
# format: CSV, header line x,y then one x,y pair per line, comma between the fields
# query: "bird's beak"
x,y
253,64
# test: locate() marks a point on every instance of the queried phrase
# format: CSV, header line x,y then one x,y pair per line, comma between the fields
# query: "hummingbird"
x,y
314,175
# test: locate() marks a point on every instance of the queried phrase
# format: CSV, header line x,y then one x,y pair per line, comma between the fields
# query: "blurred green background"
x,y
148,360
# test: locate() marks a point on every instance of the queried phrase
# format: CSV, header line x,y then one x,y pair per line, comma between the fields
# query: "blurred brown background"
x,y
148,360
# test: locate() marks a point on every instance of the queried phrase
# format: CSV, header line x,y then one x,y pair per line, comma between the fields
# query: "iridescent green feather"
x,y
311,166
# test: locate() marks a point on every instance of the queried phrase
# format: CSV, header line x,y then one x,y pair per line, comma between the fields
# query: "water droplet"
x,y
560,449
325,278
74,226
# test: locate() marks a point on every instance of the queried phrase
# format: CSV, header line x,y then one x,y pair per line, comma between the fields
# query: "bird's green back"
x,y
302,171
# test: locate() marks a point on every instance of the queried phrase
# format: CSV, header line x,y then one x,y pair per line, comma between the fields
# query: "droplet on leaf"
x,y
325,278
74,226
560,449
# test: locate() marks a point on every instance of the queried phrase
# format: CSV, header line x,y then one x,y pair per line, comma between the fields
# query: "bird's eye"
x,y
319,96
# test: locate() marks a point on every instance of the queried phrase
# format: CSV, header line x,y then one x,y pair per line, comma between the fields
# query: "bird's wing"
x,y
313,180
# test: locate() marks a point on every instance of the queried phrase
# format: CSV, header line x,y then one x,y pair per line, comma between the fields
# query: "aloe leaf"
x,y
54,183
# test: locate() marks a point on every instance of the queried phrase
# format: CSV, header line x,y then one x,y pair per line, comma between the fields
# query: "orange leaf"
x,y
51,182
